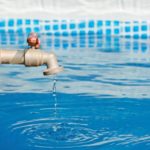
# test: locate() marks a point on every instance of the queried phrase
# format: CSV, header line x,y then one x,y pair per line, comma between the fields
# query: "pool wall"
x,y
75,23
76,9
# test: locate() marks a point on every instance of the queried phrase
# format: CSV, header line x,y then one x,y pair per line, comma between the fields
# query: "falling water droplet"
x,y
54,94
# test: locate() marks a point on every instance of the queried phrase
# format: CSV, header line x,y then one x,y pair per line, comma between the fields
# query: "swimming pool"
x,y
101,99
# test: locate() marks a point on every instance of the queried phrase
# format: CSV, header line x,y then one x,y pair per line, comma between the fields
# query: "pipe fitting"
x,y
31,58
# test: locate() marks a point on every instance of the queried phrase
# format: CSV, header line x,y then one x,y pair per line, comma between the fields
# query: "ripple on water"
x,y
59,133
48,133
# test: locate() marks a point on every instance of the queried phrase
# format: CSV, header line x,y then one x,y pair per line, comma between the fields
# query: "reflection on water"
x,y
101,102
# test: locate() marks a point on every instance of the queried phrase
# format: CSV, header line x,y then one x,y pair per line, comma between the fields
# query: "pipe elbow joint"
x,y
52,64
38,58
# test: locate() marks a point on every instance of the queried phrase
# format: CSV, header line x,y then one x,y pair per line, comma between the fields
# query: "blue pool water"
x,y
101,101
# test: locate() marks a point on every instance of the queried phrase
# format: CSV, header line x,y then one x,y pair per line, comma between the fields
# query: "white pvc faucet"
x,y
31,57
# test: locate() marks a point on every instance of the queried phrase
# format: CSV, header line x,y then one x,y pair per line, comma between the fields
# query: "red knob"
x,y
33,40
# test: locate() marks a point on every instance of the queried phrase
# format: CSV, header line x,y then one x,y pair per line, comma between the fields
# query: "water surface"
x,y
101,100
